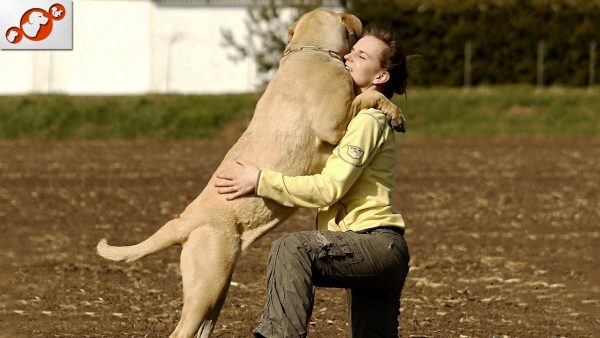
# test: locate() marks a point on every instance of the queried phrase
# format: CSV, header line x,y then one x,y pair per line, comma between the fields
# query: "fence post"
x,y
540,64
592,63
467,77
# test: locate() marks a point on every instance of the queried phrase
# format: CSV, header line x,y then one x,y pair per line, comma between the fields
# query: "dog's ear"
x,y
353,25
291,31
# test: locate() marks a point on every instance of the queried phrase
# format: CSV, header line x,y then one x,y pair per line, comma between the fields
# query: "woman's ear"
x,y
382,77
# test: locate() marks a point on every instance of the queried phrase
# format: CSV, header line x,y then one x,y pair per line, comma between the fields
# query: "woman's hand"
x,y
239,184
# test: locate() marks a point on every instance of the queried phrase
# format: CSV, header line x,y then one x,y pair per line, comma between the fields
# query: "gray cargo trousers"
x,y
371,265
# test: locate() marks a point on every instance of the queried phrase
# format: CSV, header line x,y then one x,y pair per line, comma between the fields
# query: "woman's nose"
x,y
347,56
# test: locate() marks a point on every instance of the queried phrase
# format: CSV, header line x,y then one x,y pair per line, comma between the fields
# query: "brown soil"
x,y
504,237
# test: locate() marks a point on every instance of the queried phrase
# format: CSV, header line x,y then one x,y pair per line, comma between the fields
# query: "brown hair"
x,y
392,59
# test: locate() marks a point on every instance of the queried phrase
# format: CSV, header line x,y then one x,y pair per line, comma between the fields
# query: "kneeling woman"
x,y
359,244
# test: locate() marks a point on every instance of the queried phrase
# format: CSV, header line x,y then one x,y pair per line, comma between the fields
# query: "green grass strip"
x,y
512,110
121,117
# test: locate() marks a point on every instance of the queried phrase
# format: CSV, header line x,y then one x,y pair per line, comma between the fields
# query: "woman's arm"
x,y
343,167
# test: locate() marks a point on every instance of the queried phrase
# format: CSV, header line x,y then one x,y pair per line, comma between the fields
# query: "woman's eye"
x,y
362,57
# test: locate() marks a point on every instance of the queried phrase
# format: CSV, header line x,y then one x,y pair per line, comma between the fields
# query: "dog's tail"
x,y
120,253
176,231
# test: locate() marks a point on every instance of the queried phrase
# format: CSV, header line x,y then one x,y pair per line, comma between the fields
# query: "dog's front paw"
x,y
393,115
396,120
375,99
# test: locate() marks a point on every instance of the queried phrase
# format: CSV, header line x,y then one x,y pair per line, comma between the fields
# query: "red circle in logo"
x,y
57,12
14,35
36,24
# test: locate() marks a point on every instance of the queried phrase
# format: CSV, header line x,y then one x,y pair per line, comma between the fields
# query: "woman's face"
x,y
363,63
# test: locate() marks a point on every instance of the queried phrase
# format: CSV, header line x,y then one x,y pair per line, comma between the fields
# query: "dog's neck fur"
x,y
334,54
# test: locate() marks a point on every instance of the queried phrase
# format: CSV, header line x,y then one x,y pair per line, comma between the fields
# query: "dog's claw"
x,y
398,123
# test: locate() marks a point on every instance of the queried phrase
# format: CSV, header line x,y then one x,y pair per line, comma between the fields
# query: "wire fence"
x,y
541,57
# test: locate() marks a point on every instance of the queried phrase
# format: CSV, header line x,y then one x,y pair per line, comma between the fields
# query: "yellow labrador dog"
x,y
301,116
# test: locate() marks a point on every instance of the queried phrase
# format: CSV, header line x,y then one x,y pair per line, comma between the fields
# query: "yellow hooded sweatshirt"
x,y
353,192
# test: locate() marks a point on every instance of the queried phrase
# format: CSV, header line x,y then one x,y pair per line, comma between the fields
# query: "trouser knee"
x,y
286,246
290,253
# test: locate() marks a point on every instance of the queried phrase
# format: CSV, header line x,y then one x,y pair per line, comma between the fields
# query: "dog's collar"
x,y
331,53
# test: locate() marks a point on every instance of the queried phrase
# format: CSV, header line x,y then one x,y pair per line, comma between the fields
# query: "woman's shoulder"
x,y
375,112
372,114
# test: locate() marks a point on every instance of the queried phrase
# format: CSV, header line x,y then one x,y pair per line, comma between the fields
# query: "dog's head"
x,y
319,26
37,18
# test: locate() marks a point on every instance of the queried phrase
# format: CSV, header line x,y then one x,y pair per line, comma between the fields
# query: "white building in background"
x,y
126,47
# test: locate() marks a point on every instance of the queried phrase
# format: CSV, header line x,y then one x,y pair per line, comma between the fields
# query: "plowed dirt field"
x,y
504,237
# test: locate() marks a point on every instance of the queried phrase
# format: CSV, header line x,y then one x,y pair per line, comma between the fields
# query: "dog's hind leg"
x,y
207,262
209,323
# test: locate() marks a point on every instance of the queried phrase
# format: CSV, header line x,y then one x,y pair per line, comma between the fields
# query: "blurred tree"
x,y
503,35
266,37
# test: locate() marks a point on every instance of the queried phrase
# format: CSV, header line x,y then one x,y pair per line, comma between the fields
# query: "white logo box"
x,y
34,28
